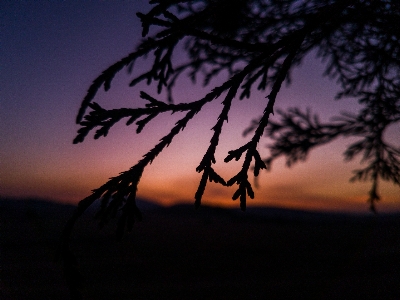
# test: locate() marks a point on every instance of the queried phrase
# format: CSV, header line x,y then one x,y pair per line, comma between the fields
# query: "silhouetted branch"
x,y
241,178
299,132
260,46
257,44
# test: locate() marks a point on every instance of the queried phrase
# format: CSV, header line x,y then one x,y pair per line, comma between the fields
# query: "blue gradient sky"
x,y
52,50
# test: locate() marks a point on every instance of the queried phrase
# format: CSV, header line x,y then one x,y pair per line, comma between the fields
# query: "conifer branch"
x,y
257,44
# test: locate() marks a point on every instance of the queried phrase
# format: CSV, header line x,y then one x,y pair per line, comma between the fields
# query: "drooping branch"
x,y
105,119
209,156
241,178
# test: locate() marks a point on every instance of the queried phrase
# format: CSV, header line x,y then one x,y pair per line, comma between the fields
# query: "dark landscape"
x,y
210,253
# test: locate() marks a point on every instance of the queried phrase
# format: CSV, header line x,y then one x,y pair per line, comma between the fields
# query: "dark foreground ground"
x,y
180,253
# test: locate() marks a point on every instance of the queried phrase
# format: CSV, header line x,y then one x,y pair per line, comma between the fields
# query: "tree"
x,y
258,43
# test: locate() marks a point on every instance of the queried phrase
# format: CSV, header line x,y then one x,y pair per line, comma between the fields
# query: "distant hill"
x,y
179,252
44,206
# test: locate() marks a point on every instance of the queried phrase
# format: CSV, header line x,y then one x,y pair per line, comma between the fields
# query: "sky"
x,y
51,51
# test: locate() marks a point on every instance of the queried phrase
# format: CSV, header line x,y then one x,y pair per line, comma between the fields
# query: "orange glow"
x,y
318,184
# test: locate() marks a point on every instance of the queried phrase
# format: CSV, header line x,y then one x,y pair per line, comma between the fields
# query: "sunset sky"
x,y
52,50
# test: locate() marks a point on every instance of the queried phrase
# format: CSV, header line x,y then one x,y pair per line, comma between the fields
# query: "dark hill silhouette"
x,y
178,252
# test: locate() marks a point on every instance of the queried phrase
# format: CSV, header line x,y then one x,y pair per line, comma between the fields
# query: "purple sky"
x,y
50,53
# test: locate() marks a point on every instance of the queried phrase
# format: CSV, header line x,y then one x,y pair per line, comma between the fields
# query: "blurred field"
x,y
210,253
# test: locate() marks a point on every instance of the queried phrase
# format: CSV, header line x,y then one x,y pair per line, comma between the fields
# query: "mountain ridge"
x,y
146,205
